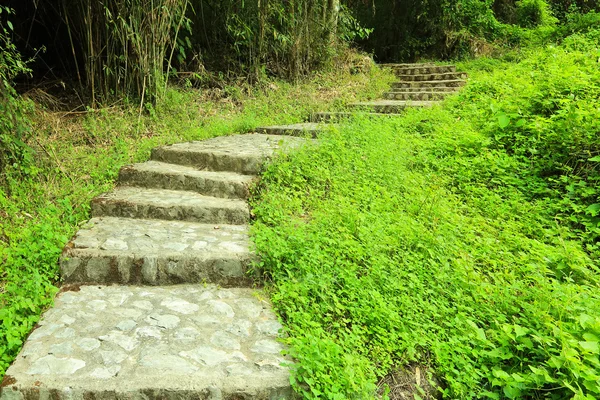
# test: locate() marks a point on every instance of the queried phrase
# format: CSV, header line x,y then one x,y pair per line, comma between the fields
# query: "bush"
x,y
533,13
14,124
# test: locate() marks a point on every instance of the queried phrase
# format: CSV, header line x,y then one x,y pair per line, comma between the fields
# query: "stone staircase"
x,y
157,301
419,85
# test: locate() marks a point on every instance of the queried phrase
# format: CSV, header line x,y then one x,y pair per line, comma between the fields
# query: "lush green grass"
x,y
448,237
78,157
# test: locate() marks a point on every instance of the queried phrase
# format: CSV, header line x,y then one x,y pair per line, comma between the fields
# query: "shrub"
x,y
532,13
14,124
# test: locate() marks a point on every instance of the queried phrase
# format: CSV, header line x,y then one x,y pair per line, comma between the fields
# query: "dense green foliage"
x,y
76,158
14,124
463,238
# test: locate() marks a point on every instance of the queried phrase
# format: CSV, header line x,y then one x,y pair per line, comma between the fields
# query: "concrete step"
x,y
429,84
391,106
243,154
422,70
422,96
437,89
173,343
155,174
133,202
446,76
311,129
154,252
341,116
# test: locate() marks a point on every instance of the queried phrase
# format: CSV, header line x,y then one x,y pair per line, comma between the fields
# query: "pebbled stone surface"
x,y
391,106
181,342
134,202
154,174
153,252
304,129
429,84
243,154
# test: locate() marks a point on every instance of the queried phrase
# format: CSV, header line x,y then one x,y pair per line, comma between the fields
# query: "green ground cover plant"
x,y
76,156
462,238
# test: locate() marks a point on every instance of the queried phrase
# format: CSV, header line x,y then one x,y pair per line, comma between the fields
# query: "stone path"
x,y
157,302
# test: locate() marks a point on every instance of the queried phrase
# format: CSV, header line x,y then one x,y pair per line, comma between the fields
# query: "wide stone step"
x,y
155,174
304,129
243,154
407,65
435,89
174,343
154,252
429,84
391,106
432,77
341,116
133,202
424,96
425,69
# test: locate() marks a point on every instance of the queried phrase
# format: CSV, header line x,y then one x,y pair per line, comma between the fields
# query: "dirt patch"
x,y
7,381
410,382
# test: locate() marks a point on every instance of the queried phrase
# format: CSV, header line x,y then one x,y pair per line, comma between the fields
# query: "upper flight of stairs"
x,y
419,85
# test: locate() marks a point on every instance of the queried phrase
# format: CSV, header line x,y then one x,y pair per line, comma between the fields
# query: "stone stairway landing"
x,y
178,342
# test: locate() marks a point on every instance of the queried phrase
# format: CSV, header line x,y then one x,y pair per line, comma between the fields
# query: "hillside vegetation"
x,y
463,238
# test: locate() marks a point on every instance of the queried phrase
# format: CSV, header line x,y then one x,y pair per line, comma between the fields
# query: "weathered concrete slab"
x,y
429,84
141,343
390,106
243,154
134,202
304,129
154,252
154,174
419,96
445,76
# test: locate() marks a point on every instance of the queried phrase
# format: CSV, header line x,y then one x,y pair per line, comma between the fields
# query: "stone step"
x,y
446,76
435,89
426,69
304,129
179,342
243,154
133,202
424,96
391,106
155,174
341,116
154,252
407,65
429,84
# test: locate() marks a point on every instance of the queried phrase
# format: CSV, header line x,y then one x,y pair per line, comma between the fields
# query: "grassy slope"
x,y
441,238
79,157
